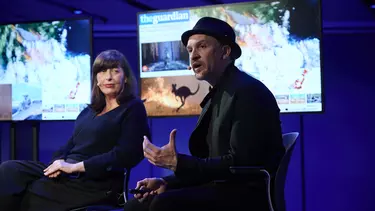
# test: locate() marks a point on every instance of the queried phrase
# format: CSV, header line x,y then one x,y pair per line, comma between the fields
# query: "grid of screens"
x,y
45,69
280,44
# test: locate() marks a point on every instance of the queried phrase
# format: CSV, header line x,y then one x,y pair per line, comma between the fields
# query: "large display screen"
x,y
45,69
281,47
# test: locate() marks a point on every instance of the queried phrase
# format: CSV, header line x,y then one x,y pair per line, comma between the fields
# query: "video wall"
x,y
280,42
45,69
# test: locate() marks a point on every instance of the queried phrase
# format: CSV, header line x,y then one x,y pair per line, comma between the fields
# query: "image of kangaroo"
x,y
182,92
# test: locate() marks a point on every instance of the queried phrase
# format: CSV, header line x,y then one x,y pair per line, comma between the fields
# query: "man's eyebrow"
x,y
201,41
197,43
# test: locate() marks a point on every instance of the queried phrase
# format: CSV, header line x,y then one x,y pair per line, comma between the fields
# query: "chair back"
x,y
289,140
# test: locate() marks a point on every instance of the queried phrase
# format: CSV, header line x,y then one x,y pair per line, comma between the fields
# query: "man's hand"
x,y
156,185
165,156
59,166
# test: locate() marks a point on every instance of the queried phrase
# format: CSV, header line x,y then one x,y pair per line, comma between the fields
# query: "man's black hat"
x,y
218,29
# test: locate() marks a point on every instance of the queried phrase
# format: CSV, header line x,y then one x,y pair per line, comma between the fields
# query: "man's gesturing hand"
x,y
166,156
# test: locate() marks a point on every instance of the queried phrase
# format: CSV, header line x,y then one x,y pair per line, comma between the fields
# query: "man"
x,y
239,126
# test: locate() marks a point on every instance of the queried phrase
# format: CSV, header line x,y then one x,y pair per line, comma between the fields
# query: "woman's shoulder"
x,y
132,103
85,111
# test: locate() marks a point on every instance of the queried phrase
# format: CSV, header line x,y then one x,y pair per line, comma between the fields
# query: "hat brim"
x,y
236,50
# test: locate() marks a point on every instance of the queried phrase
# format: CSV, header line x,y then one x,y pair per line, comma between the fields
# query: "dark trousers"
x,y
24,187
202,198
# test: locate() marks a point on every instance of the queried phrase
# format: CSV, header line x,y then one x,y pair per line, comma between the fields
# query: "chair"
x,y
122,199
275,186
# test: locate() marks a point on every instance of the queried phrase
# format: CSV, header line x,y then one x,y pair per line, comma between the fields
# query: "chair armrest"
x,y
247,170
255,170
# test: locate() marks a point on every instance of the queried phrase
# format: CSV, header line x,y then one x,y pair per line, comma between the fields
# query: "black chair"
x,y
122,199
276,185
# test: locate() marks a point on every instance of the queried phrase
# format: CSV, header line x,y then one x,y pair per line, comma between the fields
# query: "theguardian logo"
x,y
165,17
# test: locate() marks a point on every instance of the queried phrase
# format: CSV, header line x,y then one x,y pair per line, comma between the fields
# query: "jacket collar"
x,y
221,82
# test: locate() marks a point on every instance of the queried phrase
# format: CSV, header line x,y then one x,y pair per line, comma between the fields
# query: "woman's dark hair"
x,y
106,60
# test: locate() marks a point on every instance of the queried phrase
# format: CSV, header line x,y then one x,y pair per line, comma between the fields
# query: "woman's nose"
x,y
108,76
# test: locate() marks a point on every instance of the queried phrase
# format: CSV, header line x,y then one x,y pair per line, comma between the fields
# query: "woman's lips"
x,y
109,85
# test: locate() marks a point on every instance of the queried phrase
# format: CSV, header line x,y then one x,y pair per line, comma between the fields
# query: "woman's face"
x,y
110,81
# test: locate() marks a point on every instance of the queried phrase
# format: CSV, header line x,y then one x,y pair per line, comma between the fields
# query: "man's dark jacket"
x,y
239,126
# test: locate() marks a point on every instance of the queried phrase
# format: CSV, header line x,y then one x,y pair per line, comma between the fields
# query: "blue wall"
x,y
338,145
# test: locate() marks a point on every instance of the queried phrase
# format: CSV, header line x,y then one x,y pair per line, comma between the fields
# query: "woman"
x,y
107,138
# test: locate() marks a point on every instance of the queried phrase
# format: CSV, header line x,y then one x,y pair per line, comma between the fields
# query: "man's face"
x,y
205,54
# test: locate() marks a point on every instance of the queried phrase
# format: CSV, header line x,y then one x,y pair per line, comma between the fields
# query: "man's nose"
x,y
194,55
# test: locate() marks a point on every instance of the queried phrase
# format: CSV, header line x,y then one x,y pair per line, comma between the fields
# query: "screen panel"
x,y
280,42
45,69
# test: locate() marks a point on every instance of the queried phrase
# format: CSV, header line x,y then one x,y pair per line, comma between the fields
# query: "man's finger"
x,y
150,152
172,138
145,142
152,162
138,185
137,196
149,157
152,149
145,195
141,183
149,145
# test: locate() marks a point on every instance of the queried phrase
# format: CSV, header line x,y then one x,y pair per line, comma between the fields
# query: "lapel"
x,y
213,98
207,101
204,111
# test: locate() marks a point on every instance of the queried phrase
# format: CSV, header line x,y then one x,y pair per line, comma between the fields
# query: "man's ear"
x,y
226,52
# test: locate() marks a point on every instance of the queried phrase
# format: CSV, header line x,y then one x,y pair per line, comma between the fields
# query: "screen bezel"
x,y
320,34
90,19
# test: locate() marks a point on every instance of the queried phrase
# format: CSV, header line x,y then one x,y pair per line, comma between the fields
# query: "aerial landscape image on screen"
x,y
47,65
